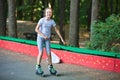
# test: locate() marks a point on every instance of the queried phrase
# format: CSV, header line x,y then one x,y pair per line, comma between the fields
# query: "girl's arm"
x,y
57,31
39,32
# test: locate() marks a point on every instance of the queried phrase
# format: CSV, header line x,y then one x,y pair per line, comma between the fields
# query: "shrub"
x,y
106,35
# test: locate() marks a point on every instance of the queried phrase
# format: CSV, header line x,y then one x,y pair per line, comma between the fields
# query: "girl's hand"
x,y
63,42
45,37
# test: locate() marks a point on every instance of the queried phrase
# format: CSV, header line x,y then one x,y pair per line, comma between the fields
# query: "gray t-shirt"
x,y
45,26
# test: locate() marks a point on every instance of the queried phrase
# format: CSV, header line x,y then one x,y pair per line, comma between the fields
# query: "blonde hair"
x,y
47,8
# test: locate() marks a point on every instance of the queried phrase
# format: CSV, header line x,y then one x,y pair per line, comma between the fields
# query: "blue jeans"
x,y
41,42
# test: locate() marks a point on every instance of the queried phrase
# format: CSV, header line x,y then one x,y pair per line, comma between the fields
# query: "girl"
x,y
43,30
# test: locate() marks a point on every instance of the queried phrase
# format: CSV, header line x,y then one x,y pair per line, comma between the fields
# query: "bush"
x,y
106,35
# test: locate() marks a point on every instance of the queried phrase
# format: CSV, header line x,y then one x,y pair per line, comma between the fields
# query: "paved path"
x,y
15,66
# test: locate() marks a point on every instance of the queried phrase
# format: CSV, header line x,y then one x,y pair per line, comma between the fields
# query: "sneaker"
x,y
39,70
51,69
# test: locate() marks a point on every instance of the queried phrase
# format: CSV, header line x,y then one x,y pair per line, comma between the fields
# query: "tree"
x,y
12,26
2,18
106,9
32,3
111,6
117,6
94,15
61,6
89,16
74,23
19,11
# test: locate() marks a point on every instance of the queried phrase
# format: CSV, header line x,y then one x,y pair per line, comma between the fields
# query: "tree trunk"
x,y
52,3
74,23
12,26
61,5
111,6
45,3
106,9
2,18
89,16
117,7
94,15
32,3
19,12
